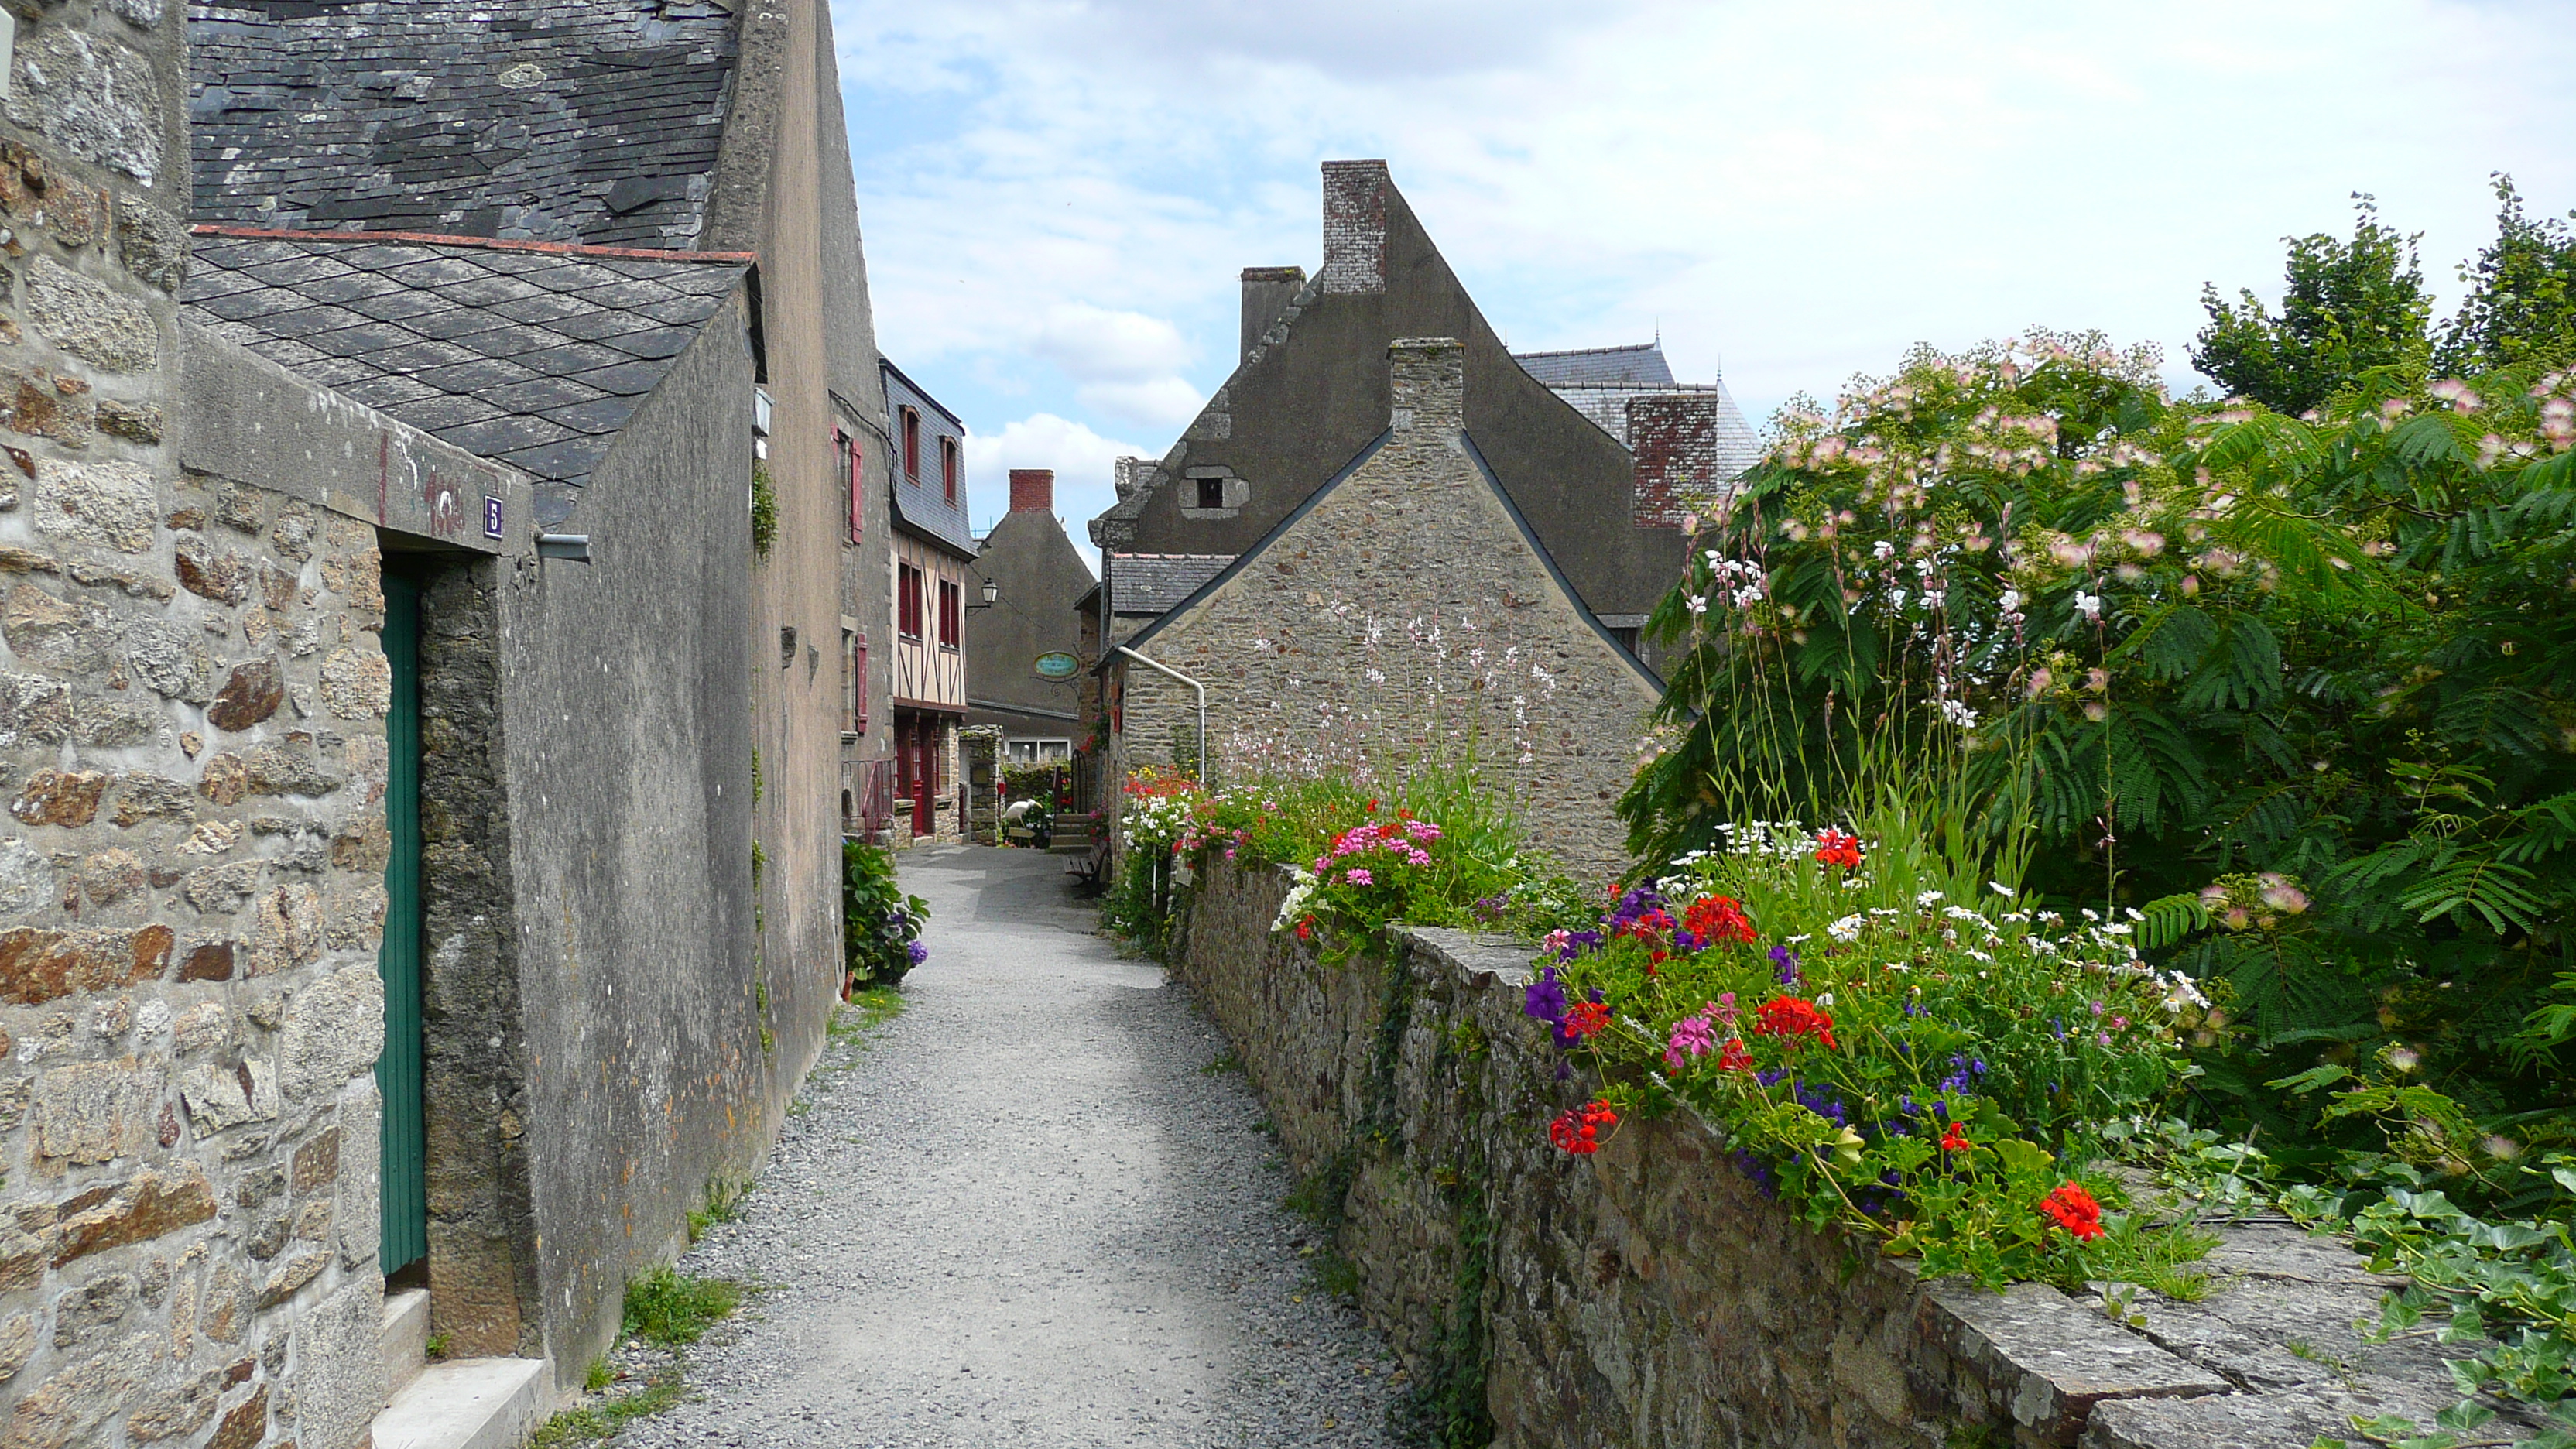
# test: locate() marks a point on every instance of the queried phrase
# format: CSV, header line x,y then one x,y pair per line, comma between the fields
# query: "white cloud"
x,y
1162,403
1080,457
1796,192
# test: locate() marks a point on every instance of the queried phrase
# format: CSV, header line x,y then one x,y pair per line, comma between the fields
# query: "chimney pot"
x,y
1033,490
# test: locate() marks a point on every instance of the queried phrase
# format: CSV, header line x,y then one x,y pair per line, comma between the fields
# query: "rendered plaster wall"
x,y
192,754
1404,614
650,1057
1652,1296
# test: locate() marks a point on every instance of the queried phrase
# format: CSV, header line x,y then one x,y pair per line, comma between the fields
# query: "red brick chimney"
x,y
1355,226
1033,490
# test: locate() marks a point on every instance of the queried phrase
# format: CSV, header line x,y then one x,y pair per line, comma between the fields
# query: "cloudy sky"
x,y
1057,195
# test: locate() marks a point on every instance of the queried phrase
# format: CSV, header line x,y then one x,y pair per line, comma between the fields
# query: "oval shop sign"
x,y
1058,665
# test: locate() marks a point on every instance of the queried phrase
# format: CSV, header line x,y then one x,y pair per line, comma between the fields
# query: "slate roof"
x,y
531,355
921,500
591,121
1150,583
1638,366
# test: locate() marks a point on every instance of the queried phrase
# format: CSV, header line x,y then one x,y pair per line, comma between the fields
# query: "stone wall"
x,y
1652,1296
1407,612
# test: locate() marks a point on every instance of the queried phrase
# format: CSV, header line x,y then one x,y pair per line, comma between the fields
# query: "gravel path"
x,y
1022,1213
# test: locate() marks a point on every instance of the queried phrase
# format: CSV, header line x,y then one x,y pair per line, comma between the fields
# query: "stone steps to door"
x,y
467,1403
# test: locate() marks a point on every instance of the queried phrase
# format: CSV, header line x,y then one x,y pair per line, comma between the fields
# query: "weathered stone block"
x,y
26,879
250,695
286,932
357,684
142,795
60,797
91,95
221,889
221,1097
93,1112
246,1427
2048,1360
111,875
334,1030
38,965
151,243
152,1205
289,1277
32,403
17,1344
222,575
212,961
135,422
83,317
74,639
171,662
74,1406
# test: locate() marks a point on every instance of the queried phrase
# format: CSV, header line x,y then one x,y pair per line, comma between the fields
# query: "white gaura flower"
x,y
2011,601
2089,605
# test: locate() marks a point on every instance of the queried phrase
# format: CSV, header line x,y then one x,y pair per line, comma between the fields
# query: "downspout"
x,y
1204,771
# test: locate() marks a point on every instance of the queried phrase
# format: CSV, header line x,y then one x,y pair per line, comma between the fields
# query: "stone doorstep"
x,y
2051,1359
403,1342
467,1403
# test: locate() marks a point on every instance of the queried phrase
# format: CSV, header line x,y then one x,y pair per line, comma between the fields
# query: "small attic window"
x,y
1211,492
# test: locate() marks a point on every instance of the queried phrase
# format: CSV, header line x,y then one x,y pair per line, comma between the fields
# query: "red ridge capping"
x,y
422,238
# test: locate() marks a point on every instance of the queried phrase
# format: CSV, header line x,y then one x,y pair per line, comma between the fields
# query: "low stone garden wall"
x,y
1651,1295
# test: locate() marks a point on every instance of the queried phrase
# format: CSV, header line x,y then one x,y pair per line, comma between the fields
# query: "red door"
x,y
919,783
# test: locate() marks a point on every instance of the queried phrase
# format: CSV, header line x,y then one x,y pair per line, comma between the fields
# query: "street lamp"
x,y
992,596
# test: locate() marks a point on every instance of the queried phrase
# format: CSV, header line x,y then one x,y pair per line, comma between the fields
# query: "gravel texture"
x,y
1024,1212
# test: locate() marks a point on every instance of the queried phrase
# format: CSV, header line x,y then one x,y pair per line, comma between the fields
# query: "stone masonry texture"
x,y
1406,613
192,756
1652,1296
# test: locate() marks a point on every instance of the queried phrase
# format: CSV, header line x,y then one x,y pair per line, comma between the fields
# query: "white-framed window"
x,y
1033,752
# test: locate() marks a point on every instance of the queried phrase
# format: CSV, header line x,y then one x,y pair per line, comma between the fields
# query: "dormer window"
x,y
1211,492
948,467
912,445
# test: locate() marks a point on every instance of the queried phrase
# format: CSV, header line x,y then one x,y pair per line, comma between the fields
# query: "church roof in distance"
x,y
1637,366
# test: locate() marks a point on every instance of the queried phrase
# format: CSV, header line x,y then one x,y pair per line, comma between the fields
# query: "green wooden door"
x,y
404,1143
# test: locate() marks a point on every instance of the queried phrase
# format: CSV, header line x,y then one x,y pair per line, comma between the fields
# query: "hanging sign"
x,y
1058,665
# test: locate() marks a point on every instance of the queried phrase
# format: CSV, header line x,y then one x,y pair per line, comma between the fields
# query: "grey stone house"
x,y
384,901
1311,390
1024,651
1405,610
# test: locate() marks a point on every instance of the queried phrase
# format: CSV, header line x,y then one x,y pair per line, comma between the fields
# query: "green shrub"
x,y
764,510
671,1309
880,924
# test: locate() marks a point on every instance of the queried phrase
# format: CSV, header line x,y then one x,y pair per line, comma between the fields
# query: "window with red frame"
x,y
948,467
846,448
862,675
907,601
912,445
952,596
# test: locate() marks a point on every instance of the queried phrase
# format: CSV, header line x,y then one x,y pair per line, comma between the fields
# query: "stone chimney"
x,y
1355,226
1267,291
1429,376
1130,474
1033,490
1673,437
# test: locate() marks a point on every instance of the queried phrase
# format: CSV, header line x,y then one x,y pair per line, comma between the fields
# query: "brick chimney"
x,y
1355,226
1673,436
1429,380
1267,291
1033,490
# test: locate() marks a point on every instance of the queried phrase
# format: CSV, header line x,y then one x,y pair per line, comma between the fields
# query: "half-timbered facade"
x,y
933,551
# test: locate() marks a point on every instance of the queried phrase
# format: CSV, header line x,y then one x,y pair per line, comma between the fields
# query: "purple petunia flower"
x,y
1545,998
1787,961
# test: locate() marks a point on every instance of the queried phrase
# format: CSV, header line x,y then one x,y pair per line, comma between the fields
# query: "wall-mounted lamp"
x,y
992,596
570,547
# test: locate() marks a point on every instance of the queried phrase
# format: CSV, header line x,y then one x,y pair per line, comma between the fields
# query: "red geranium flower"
x,y
1835,847
1578,1129
1732,1057
2074,1209
1584,1018
1717,918
1794,1016
1956,1139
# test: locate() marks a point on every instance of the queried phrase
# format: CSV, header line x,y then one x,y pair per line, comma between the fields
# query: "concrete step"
x,y
467,1403
403,1342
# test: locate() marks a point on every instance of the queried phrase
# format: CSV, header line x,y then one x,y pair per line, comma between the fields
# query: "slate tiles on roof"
x,y
1641,365
536,358
591,121
1151,583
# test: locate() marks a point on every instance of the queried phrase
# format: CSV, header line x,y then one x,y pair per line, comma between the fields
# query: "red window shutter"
x,y
858,490
948,467
863,684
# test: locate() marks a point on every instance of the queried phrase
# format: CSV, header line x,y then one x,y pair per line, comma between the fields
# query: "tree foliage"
x,y
2346,308
2303,693
2521,307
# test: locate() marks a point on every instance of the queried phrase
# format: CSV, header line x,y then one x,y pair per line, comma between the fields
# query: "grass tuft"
x,y
670,1308
595,1422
